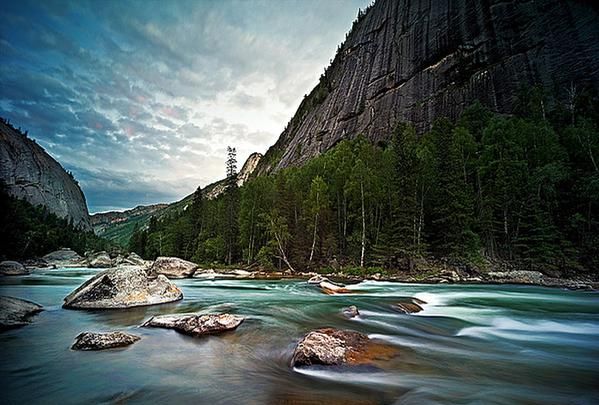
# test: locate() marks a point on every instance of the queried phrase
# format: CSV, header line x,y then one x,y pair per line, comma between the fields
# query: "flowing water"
x,y
472,344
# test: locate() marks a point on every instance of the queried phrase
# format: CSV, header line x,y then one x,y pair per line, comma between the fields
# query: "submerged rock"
x,y
15,312
351,311
196,324
101,341
99,260
410,306
122,287
172,267
11,268
329,347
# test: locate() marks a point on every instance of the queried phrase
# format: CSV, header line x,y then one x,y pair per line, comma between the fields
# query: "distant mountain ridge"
x,y
118,226
31,174
414,61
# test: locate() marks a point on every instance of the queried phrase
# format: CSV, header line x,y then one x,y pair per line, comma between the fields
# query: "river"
x,y
472,344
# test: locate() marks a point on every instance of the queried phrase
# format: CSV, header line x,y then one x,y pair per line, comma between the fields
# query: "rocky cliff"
x,y
416,60
31,174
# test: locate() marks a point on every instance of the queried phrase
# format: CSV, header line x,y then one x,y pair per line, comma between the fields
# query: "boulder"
x,y
196,324
317,279
101,341
122,287
517,277
63,257
15,312
409,306
172,267
351,311
11,268
328,287
334,347
99,260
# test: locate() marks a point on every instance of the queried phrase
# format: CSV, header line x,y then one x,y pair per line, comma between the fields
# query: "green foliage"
x,y
31,231
519,188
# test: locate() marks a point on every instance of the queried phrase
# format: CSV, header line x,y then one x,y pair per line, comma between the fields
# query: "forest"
x,y
30,231
520,188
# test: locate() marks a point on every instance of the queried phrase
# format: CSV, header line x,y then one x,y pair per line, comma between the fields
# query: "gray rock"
x,y
196,324
122,287
11,268
101,341
415,61
64,257
15,312
330,347
517,277
351,311
31,174
99,260
317,279
172,267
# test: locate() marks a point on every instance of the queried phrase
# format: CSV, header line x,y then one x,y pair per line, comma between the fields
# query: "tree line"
x,y
521,187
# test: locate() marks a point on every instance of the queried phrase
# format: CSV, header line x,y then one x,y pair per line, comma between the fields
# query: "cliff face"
x,y
31,174
417,60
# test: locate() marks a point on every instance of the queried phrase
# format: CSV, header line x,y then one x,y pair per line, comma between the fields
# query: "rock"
x,y
450,275
15,312
99,260
329,346
317,279
11,268
36,263
135,259
101,341
411,306
517,277
328,287
415,61
31,174
172,267
351,311
196,324
122,287
63,257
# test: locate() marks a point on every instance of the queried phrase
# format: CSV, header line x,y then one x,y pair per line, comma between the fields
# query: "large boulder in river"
x,y
172,267
122,287
409,306
15,312
196,324
101,341
63,257
334,347
10,268
99,260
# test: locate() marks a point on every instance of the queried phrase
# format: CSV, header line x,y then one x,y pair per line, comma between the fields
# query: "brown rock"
x,y
411,306
172,267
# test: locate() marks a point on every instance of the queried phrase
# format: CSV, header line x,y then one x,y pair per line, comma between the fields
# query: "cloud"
x,y
140,99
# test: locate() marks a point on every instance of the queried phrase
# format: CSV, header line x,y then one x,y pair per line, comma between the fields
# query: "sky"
x,y
140,99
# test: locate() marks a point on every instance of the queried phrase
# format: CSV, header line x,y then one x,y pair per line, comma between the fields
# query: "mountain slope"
x,y
415,61
29,173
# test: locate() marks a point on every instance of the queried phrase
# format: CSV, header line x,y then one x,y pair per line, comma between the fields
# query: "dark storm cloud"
x,y
140,98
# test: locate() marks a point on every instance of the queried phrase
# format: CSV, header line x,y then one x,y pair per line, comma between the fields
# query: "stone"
x,y
351,311
317,279
413,61
172,267
12,268
196,324
334,347
63,257
29,173
328,287
15,312
105,340
122,287
99,260
517,277
410,306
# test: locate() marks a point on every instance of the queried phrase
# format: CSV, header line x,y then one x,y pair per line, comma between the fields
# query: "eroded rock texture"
x,y
31,174
416,60
102,341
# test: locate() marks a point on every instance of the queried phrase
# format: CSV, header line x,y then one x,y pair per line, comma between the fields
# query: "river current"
x,y
472,344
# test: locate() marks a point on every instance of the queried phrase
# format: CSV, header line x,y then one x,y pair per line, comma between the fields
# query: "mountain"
x,y
416,60
118,226
29,173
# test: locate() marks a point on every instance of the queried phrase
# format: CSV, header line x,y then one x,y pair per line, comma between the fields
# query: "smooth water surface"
x,y
473,344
